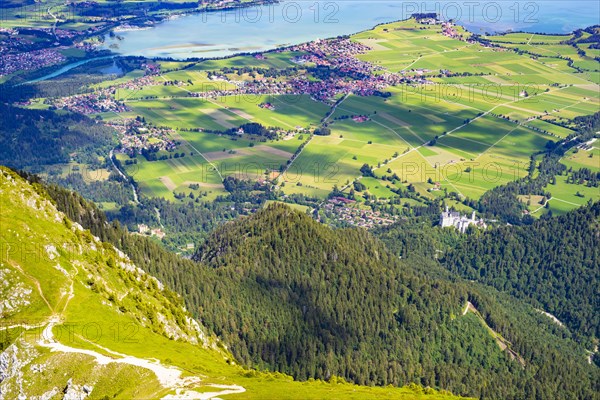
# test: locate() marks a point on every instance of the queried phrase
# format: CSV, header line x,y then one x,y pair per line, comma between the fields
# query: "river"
x,y
66,68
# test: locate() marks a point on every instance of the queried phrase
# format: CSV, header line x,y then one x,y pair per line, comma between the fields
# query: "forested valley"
x,y
552,263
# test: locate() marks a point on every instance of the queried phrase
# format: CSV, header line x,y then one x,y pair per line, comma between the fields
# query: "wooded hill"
x,y
80,320
289,294
33,139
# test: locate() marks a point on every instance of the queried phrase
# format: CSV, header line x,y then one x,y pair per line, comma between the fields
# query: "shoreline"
x,y
126,27
283,48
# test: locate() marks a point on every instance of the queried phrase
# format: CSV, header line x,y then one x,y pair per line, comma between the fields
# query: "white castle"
x,y
460,222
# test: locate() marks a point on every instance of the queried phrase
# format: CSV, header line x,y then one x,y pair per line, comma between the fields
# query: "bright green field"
x,y
291,112
564,195
495,110
583,158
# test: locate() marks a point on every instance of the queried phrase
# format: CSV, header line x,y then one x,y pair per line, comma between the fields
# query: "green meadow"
x,y
580,158
567,196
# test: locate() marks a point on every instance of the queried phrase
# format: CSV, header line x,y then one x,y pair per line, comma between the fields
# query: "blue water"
x,y
65,69
260,28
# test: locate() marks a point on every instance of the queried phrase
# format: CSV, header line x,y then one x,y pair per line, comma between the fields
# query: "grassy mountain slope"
x,y
79,318
278,288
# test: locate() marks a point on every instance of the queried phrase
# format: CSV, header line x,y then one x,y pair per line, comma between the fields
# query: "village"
x,y
348,75
28,61
92,103
135,136
103,100
347,211
35,48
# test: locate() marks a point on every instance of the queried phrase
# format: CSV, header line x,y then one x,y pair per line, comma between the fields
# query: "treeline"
x,y
289,294
254,128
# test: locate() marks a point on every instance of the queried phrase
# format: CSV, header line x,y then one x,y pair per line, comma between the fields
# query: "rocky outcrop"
x,y
13,361
76,392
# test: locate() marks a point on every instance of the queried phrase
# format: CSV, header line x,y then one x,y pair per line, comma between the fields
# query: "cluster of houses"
x,y
91,103
587,146
256,87
268,106
360,118
336,47
27,61
134,136
338,52
137,83
339,55
325,90
428,21
460,222
103,100
345,211
64,33
151,68
20,53
449,30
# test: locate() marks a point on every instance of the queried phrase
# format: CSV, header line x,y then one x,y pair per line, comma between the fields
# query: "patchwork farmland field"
x,y
463,117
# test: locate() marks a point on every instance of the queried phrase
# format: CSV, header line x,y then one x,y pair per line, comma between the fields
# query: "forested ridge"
x,y
287,293
555,263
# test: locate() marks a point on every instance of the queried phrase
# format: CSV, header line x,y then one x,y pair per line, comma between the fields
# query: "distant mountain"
x,y
80,319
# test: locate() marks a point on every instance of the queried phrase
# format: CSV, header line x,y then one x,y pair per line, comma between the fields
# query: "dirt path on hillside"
x,y
35,282
504,344
168,376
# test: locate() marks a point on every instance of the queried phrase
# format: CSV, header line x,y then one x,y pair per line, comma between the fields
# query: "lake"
x,y
261,28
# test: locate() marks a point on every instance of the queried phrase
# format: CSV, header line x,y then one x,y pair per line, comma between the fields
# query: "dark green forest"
x,y
287,293
552,263
32,138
